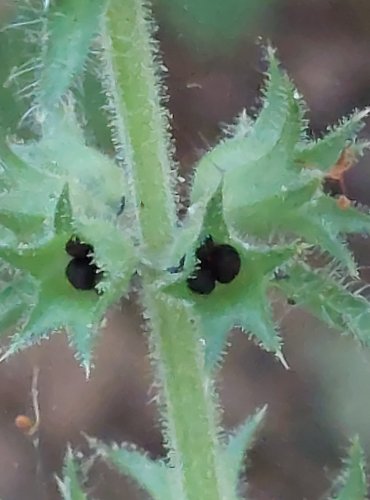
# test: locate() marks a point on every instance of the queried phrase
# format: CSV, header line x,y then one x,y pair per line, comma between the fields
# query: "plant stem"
x,y
188,404
187,392
140,123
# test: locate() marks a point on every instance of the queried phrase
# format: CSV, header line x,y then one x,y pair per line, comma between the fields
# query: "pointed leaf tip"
x,y
63,212
152,476
69,486
280,356
352,483
240,441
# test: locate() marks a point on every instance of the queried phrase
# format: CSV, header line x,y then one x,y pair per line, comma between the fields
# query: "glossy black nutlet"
x,y
225,263
82,274
201,281
75,248
291,301
332,187
204,251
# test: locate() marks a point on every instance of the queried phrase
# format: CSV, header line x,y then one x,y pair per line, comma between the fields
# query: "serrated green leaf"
x,y
323,223
260,195
57,303
243,302
271,215
352,484
344,220
324,234
328,300
240,441
71,28
280,110
271,196
24,177
69,486
96,184
320,220
324,153
258,203
153,476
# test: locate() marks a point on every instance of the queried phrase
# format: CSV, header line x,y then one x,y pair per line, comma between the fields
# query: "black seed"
x,y
75,248
332,187
224,262
291,301
201,281
203,253
82,274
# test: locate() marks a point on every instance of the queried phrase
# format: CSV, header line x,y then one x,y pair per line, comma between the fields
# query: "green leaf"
x,y
324,234
63,220
18,63
153,476
267,195
113,253
81,190
243,302
69,486
202,218
57,303
14,302
281,111
343,220
325,152
24,177
240,441
328,300
322,222
27,229
352,484
71,28
96,184
272,215
91,105
13,166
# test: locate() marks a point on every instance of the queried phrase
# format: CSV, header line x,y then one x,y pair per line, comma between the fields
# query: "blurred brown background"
x,y
213,54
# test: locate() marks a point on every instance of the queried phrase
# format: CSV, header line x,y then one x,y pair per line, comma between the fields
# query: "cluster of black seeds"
x,y
81,272
217,262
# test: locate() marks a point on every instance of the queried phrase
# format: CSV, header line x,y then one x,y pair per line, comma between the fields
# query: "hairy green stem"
x,y
187,394
140,129
140,123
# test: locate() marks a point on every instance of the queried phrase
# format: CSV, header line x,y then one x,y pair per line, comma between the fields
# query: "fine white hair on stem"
x,y
21,24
